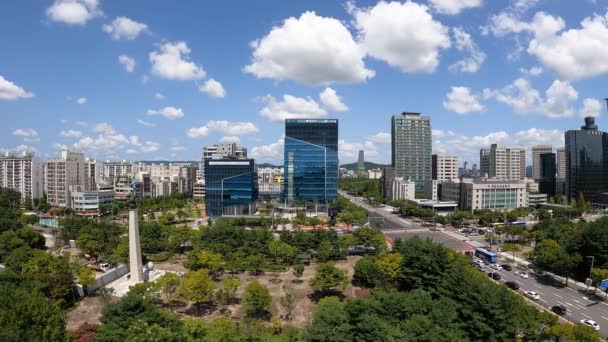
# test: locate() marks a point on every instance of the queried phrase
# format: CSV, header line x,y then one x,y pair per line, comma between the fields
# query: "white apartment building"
x,y
503,163
270,181
113,169
536,152
63,175
444,167
87,203
23,174
401,189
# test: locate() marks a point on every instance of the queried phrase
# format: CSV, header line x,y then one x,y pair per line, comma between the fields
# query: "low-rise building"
x,y
198,191
436,206
535,200
431,189
493,194
402,190
87,202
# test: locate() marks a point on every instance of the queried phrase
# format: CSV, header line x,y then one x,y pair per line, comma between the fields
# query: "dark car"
x,y
513,285
494,275
506,267
559,309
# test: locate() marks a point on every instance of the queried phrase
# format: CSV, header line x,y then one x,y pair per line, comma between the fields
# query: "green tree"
x,y
54,272
229,287
256,263
256,298
298,270
196,286
371,237
325,251
282,251
105,294
330,322
205,259
583,333
547,254
580,203
328,277
390,266
86,276
368,273
29,219
288,301
168,284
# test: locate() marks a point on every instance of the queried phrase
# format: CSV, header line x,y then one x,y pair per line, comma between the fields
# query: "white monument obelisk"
x,y
135,265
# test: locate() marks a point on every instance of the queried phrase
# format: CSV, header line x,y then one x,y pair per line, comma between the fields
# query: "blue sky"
x,y
145,80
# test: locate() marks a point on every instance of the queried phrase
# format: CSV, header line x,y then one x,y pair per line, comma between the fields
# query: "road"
x,y
579,305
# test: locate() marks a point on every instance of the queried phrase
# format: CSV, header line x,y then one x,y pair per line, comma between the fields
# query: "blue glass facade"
x,y
231,187
311,160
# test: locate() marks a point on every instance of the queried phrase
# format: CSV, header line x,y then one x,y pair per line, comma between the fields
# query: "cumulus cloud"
x,y
591,107
519,95
81,100
127,62
332,101
311,50
462,101
11,91
197,132
290,107
73,12
558,100
381,138
269,153
25,132
232,128
172,61
159,96
213,88
124,28
465,43
71,133
146,123
405,35
453,7
230,139
168,112
104,128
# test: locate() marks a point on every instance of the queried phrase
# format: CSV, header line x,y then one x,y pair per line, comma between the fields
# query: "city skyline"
x,y
123,81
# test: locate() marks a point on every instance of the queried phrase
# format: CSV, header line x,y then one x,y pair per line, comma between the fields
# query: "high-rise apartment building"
x,y
536,163
411,147
586,162
444,167
311,160
503,163
23,174
561,164
547,182
115,169
61,176
91,173
484,162
231,187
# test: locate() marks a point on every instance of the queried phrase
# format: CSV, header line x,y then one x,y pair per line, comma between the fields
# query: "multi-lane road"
x,y
579,305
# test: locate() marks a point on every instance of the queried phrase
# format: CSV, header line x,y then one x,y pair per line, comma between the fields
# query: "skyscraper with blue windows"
x,y
311,160
231,187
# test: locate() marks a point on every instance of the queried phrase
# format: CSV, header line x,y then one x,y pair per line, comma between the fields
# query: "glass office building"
x,y
411,147
231,187
547,174
587,162
311,160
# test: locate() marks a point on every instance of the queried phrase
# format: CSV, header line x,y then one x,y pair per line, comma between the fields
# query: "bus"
x,y
485,255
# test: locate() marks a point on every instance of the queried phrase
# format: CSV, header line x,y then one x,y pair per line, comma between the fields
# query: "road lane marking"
x,y
556,295
605,318
577,301
585,315
568,304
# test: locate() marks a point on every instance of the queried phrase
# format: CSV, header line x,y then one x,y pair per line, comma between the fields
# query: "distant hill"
x,y
265,165
368,166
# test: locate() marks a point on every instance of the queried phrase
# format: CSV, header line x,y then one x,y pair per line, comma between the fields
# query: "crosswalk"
x,y
404,231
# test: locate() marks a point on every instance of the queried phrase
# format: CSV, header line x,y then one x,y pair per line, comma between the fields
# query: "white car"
x,y
521,274
590,323
496,267
532,295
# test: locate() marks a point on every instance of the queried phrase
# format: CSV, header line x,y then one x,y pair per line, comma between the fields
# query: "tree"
x,y
328,277
229,288
330,322
256,298
86,277
29,219
205,259
324,252
256,263
197,286
105,294
168,284
390,266
580,203
298,270
288,301
54,272
368,273
280,250
371,237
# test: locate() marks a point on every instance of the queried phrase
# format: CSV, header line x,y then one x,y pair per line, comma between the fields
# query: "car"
x,y
506,267
590,323
512,284
532,295
559,309
521,274
494,275
496,267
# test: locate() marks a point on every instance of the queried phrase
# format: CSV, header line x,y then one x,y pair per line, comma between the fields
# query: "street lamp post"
x,y
590,270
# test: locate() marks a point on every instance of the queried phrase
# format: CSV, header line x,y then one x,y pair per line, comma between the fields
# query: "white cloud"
x,y
591,107
131,151
464,43
533,71
146,123
11,91
332,101
232,128
59,146
312,50
558,98
25,132
213,88
269,153
404,35
104,128
71,133
452,7
290,107
81,100
197,132
124,28
127,62
172,61
177,148
349,152
230,139
159,96
149,146
168,112
73,12
18,149
520,96
462,101
381,138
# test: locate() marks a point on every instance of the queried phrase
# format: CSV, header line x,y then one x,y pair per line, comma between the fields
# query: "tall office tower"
x,y
222,151
504,163
23,174
91,174
311,160
586,162
61,176
231,187
561,163
411,147
444,167
115,169
361,164
547,174
484,162
536,152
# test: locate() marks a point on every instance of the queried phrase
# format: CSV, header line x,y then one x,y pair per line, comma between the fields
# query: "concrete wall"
x,y
105,279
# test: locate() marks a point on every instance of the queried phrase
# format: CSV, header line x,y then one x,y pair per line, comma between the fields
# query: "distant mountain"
x,y
368,166
266,165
